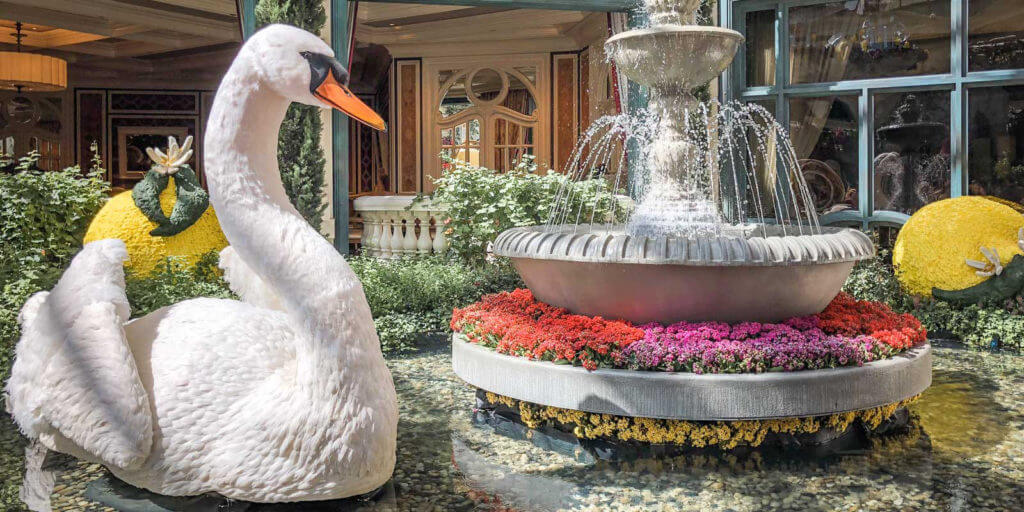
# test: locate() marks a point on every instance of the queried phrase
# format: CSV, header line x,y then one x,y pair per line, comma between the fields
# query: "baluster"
x,y
364,236
409,242
385,236
396,234
423,244
371,234
440,240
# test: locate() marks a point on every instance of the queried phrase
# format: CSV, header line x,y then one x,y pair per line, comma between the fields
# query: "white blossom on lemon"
x,y
992,267
176,156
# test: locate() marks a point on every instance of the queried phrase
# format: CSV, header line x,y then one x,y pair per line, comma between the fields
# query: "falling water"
x,y
735,168
694,169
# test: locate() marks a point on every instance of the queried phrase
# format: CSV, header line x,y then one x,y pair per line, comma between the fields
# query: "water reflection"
x,y
953,456
964,453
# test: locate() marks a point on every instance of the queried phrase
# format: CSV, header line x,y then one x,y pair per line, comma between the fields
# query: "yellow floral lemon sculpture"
x,y
167,214
963,250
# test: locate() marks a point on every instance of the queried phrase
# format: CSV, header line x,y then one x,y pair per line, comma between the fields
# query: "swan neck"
x,y
316,287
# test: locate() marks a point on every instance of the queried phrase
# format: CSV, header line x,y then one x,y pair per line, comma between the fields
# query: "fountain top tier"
x,y
674,54
724,227
672,12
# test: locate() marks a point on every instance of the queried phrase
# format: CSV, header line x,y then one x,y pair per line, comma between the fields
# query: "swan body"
x,y
282,396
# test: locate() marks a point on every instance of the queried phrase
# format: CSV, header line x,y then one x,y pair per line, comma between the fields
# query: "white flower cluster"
x,y
992,267
176,156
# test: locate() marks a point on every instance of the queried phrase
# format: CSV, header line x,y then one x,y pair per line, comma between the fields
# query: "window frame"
x,y
507,65
959,82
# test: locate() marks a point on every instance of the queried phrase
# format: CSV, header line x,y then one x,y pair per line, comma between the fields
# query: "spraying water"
x,y
696,169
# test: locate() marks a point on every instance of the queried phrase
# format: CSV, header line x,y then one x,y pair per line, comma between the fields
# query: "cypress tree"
x,y
299,155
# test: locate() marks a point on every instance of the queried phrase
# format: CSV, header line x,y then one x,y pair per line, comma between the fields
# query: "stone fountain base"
x,y
688,396
826,442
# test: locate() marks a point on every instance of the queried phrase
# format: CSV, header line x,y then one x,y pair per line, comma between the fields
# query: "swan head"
x,y
301,67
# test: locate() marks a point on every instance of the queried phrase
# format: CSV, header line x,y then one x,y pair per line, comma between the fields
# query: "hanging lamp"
x,y
22,71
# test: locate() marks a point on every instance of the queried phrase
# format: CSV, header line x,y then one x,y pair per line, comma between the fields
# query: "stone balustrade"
x,y
401,226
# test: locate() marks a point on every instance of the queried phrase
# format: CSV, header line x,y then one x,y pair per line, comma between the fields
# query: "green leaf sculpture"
x,y
191,201
1008,284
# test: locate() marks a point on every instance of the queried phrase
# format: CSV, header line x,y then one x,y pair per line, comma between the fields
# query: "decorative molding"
x,y
564,5
407,135
82,155
482,48
151,14
565,88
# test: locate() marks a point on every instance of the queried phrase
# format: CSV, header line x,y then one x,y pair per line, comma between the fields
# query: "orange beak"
x,y
340,97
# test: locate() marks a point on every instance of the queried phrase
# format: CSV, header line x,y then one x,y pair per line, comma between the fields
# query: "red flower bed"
x,y
850,317
515,323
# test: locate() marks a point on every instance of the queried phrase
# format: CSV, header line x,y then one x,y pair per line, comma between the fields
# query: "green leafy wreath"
x,y
192,200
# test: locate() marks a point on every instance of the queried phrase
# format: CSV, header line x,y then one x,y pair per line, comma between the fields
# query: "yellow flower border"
x,y
724,434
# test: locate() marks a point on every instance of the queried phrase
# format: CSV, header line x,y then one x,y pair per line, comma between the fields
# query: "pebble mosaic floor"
x,y
967,456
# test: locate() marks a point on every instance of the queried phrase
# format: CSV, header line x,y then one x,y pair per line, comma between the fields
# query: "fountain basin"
x,y
680,57
751,273
689,396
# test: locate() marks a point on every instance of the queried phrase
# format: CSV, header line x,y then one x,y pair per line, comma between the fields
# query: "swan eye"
x,y
320,66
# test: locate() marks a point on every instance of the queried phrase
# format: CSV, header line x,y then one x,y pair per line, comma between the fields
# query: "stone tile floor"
x,y
968,455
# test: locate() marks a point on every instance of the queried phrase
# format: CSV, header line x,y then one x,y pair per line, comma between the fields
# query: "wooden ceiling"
x,y
158,40
432,30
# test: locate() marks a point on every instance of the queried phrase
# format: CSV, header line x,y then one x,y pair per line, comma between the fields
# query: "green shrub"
x,y
43,217
413,296
978,325
482,202
44,214
172,281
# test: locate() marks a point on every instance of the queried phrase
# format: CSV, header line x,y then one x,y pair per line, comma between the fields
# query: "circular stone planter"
x,y
688,396
752,273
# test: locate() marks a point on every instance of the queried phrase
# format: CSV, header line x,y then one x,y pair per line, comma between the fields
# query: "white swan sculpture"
x,y
284,396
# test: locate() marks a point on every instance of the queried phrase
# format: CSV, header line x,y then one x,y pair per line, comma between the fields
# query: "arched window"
x,y
485,114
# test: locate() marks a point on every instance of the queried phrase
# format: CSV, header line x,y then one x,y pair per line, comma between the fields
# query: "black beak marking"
x,y
319,67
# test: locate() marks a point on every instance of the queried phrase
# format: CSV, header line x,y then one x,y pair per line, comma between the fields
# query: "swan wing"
x,y
249,286
74,377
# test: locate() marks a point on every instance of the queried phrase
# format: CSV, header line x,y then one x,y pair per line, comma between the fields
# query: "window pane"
x,y
849,40
760,48
911,149
996,38
996,142
824,134
454,100
518,99
486,84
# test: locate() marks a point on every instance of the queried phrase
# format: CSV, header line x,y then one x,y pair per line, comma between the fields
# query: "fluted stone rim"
x,y
763,245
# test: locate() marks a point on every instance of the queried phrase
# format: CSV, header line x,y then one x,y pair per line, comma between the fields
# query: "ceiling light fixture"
x,y
21,71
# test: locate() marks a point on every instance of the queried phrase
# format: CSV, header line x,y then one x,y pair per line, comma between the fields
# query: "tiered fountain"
x,y
724,230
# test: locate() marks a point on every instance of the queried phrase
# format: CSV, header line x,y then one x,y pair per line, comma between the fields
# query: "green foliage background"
x,y
43,218
482,202
415,296
299,155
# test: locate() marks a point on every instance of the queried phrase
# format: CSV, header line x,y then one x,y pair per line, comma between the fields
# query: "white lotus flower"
x,y
168,163
987,268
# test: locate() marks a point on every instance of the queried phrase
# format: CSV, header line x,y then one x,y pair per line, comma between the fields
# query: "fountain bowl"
x,y
752,273
674,56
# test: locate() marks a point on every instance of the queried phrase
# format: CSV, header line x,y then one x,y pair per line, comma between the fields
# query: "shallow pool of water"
x,y
967,453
